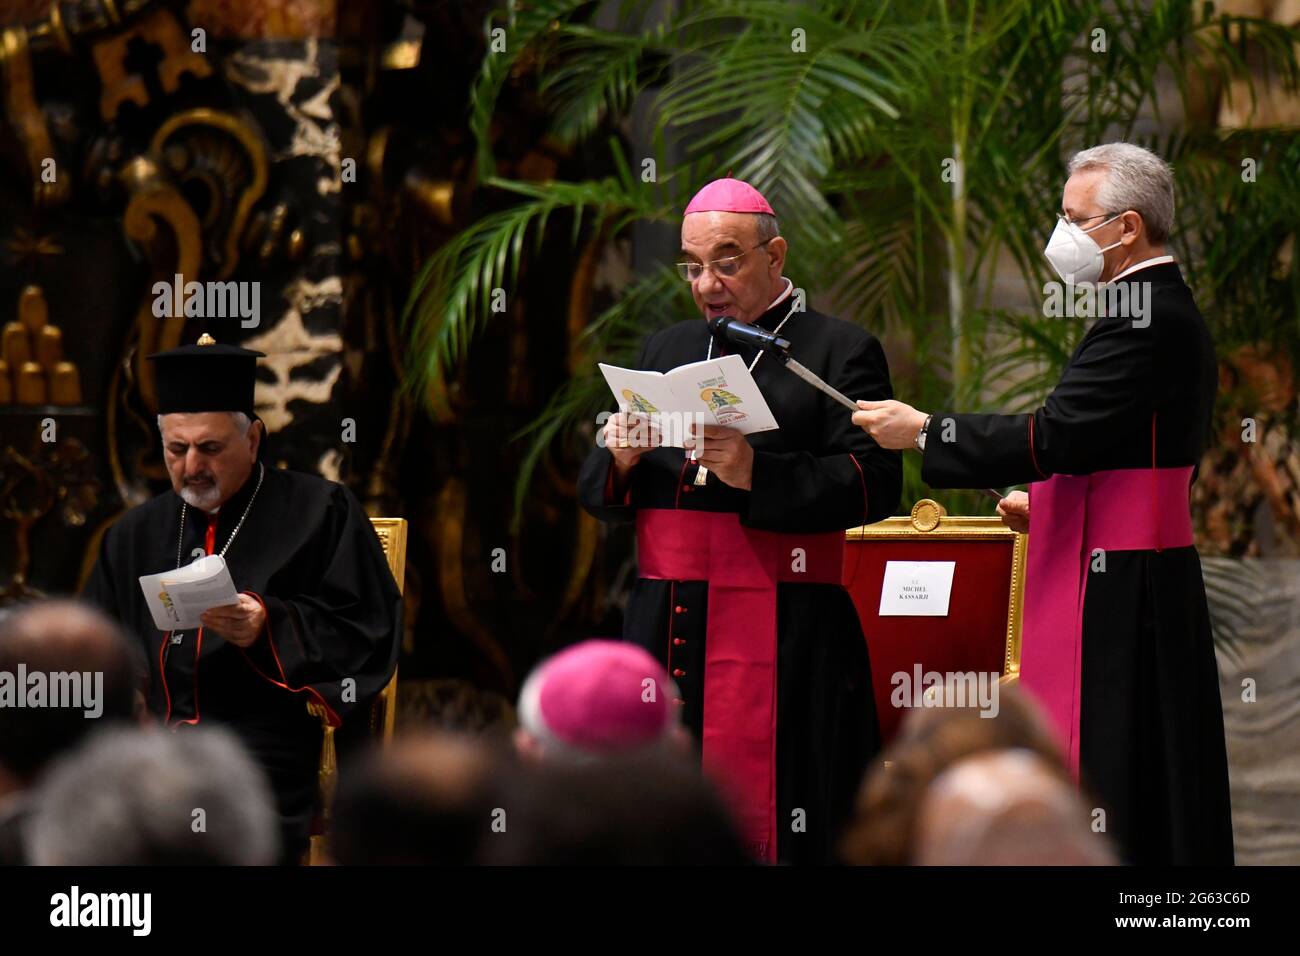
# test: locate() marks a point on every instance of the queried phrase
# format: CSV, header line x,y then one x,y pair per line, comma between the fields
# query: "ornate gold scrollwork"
x,y
926,514
226,159
28,121
153,200
160,28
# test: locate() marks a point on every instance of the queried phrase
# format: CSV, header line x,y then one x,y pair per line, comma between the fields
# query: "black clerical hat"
x,y
206,377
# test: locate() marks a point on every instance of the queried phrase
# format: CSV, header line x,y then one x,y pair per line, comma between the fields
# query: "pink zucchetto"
x,y
728,195
598,698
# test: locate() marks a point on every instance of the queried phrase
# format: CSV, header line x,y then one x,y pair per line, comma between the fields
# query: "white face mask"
x,y
1074,254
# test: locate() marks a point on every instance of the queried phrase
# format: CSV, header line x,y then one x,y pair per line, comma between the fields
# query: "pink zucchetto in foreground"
x,y
598,698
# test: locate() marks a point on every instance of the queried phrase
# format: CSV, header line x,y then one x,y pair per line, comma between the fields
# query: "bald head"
x,y
62,633
1006,808
41,641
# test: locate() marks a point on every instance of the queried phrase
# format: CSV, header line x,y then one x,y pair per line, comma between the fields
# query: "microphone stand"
x,y
779,348
811,377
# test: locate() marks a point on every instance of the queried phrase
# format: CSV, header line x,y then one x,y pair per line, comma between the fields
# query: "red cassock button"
x,y
686,488
679,641
678,609
678,672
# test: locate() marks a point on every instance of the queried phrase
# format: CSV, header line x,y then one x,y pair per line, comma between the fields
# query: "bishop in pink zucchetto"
x,y
760,648
729,195
597,699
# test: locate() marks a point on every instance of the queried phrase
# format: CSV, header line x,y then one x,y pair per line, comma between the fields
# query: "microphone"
x,y
724,326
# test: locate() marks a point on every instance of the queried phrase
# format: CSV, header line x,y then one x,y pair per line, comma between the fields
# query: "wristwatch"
x,y
920,436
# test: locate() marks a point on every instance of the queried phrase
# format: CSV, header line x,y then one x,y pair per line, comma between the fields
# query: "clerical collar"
x,y
770,313
1144,264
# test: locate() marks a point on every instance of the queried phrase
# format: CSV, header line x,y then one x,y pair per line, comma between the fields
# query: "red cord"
x,y
857,562
1032,456
209,546
333,719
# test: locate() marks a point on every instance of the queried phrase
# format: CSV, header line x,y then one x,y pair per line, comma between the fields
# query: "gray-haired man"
x,y
1117,641
318,615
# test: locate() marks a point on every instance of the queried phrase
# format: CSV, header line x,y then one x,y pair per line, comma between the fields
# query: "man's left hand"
x,y
726,453
237,623
892,424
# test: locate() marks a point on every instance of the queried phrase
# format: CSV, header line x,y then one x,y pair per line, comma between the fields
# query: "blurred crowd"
x,y
598,770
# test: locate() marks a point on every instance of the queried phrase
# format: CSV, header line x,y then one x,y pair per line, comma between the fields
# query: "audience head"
x,y
422,800
139,797
930,741
85,667
1006,808
654,809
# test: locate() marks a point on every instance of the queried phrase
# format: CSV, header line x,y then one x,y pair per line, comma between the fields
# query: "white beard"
x,y
203,500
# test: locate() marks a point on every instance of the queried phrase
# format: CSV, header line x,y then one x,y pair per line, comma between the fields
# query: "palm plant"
x,y
915,153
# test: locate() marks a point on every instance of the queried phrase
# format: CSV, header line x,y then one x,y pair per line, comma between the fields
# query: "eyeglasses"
x,y
1074,222
722,268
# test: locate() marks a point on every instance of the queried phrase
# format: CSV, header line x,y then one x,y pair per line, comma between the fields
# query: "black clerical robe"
x,y
1124,627
307,551
817,473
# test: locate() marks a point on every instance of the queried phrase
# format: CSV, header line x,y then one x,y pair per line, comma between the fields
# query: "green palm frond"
x,y
567,422
570,414
526,25
780,117
879,271
649,303
597,74
461,285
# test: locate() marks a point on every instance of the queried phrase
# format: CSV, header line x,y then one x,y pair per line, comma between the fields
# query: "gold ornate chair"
x,y
383,709
392,537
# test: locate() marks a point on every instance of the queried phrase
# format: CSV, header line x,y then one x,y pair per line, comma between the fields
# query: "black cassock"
x,y
308,551
804,480
1150,724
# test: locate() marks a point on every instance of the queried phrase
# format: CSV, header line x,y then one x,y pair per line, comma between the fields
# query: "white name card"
x,y
916,588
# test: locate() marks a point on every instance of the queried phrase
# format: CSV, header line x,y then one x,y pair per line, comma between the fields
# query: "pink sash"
x,y
1131,509
742,568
